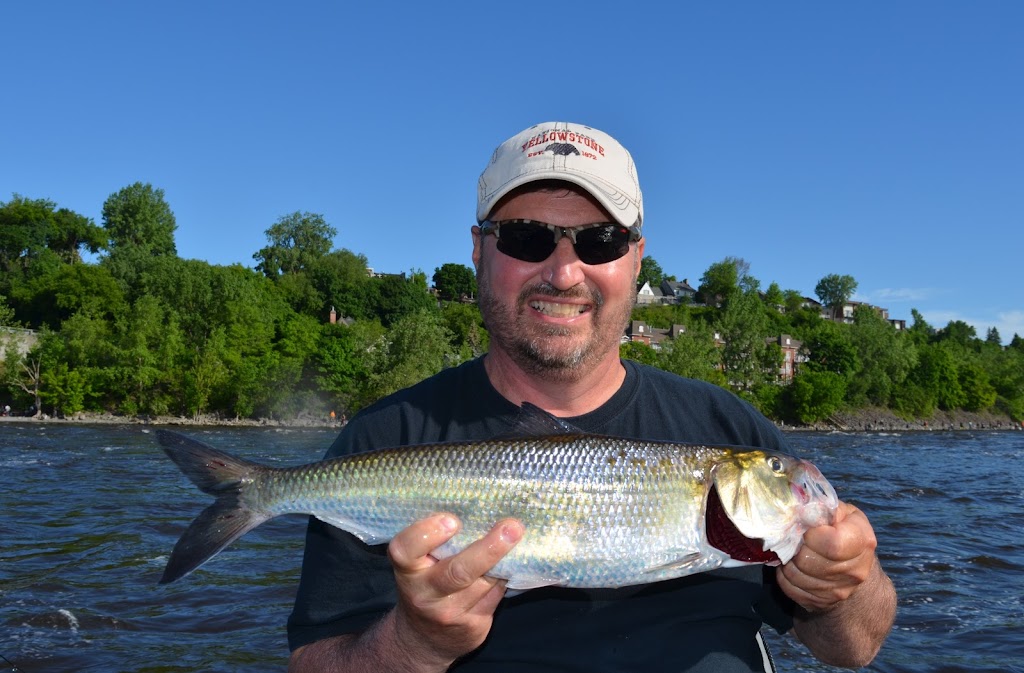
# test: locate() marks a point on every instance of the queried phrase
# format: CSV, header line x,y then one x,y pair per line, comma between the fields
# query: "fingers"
x,y
474,562
410,549
832,563
445,607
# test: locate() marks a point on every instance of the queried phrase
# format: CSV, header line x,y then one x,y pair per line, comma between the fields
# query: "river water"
x,y
88,515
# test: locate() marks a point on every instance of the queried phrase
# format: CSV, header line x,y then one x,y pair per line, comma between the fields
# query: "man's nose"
x,y
563,269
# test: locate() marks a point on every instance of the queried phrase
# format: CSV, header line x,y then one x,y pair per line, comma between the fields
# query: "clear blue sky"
x,y
880,140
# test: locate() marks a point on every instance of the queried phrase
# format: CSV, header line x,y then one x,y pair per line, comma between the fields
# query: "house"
x,y
23,340
791,355
647,295
638,330
678,292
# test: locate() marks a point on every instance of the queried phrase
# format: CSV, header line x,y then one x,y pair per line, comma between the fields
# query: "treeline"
x,y
732,333
144,332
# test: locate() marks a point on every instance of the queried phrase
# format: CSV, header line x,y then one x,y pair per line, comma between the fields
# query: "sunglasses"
x,y
533,241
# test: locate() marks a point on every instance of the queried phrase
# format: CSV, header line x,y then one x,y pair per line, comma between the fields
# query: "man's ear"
x,y
478,243
639,258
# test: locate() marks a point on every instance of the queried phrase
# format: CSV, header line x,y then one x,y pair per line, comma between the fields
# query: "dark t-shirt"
x,y
704,622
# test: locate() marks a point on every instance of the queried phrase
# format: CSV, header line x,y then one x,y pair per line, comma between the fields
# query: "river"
x,y
88,515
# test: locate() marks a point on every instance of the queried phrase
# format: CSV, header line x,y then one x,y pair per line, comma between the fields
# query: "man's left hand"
x,y
832,563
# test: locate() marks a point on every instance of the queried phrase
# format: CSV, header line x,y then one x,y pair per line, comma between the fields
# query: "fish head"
x,y
769,499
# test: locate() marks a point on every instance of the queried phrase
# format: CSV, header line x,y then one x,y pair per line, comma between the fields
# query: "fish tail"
x,y
223,476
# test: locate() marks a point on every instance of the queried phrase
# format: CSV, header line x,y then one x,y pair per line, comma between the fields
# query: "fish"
x,y
598,511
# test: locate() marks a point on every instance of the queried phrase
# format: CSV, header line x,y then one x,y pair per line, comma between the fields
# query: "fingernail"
x,y
511,533
449,524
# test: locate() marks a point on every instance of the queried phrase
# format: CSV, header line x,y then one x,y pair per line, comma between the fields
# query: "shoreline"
x,y
860,420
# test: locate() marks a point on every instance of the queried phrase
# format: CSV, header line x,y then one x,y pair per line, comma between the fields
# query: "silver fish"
x,y
598,511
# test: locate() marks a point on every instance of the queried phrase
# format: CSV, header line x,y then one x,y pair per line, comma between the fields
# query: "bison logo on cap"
x,y
562,149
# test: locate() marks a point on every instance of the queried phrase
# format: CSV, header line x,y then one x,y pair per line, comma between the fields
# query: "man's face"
x,y
559,317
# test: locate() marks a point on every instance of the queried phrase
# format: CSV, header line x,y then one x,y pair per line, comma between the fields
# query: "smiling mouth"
x,y
558,309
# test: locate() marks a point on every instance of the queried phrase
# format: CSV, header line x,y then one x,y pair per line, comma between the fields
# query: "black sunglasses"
x,y
533,241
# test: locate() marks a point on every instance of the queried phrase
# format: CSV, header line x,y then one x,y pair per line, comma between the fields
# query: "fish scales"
x,y
597,511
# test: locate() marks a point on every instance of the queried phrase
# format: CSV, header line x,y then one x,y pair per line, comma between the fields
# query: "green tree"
x,y
638,351
469,336
454,281
693,354
816,395
886,358
297,243
834,291
774,298
415,347
343,361
721,281
829,349
749,360
992,337
138,217
650,272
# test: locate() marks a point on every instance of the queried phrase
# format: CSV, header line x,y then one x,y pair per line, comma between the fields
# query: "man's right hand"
x,y
445,607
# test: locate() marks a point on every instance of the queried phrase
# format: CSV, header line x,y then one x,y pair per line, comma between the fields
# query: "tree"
x,y
958,332
992,337
746,356
722,280
816,395
650,272
834,291
415,347
693,354
454,281
774,297
28,226
297,243
886,358
138,217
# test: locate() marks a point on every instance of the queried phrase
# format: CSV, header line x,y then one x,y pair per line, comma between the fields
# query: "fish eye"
x,y
775,463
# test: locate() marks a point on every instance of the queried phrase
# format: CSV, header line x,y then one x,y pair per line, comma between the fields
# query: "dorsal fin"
x,y
533,421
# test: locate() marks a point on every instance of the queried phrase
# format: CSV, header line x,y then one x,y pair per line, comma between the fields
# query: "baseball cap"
x,y
565,151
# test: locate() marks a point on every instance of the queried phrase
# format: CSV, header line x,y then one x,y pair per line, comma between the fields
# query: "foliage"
x,y
297,242
639,352
138,217
816,395
144,332
454,281
834,291
650,272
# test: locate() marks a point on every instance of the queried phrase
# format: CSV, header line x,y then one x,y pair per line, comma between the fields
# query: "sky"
x,y
880,140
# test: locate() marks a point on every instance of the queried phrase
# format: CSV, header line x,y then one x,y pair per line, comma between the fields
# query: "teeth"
x,y
558,310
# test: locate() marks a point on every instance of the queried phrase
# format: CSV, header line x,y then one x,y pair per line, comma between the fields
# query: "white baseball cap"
x,y
575,153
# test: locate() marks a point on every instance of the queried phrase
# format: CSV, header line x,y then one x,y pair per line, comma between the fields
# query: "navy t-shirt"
x,y
704,622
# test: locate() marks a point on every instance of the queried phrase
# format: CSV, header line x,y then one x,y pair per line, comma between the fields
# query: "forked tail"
x,y
227,519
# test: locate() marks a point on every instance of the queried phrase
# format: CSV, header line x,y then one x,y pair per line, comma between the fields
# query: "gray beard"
x,y
529,351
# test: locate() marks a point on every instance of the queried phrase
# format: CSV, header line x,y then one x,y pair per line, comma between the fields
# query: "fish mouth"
x,y
723,535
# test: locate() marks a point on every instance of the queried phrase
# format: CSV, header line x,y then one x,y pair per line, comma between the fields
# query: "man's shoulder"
x,y
695,410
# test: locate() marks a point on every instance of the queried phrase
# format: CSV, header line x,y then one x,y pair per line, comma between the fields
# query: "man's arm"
x,y
846,602
444,611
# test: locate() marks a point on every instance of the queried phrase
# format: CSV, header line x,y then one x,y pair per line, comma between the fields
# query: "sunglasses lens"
x,y
526,241
533,242
600,245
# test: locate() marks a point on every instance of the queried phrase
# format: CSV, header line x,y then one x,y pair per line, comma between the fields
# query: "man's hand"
x,y
848,603
445,608
833,561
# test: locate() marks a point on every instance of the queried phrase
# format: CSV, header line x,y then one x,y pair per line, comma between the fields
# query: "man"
x,y
557,252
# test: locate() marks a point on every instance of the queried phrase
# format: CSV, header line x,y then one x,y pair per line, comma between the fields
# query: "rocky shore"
x,y
860,420
884,420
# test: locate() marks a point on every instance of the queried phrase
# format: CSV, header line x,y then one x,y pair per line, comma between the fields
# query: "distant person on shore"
x,y
557,249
